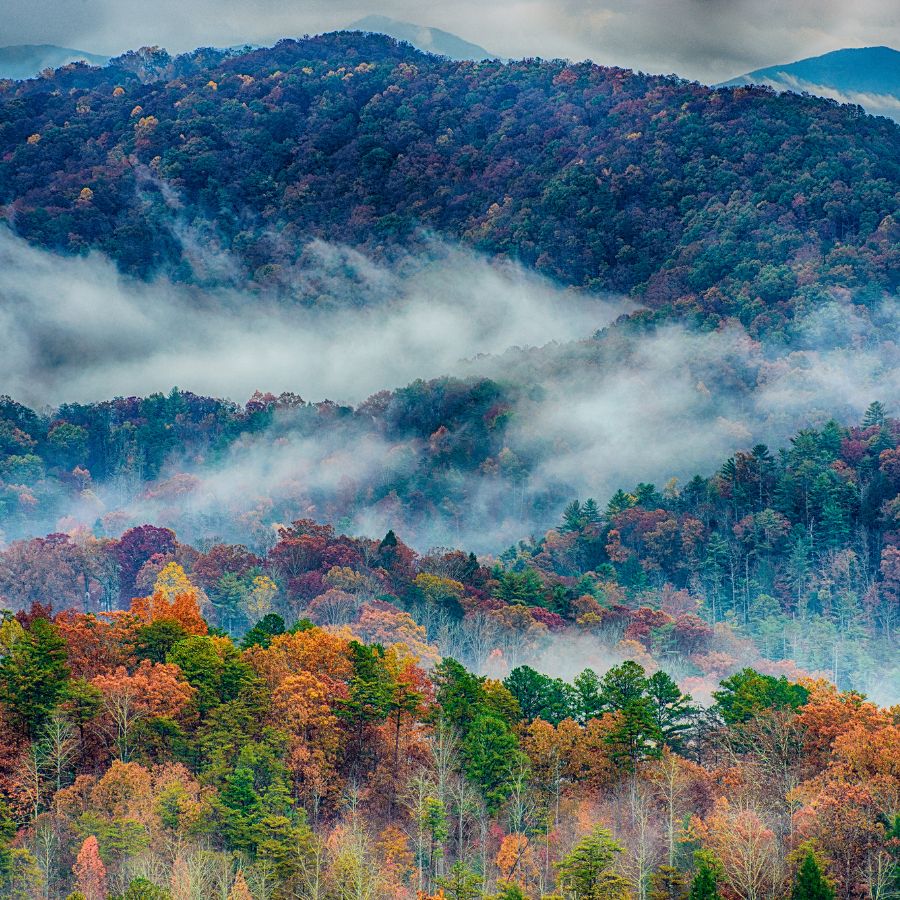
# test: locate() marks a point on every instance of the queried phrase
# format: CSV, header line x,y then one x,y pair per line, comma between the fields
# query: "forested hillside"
x,y
788,555
376,649
146,754
704,203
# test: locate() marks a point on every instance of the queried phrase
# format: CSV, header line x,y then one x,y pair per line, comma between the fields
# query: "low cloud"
x,y
887,105
77,330
592,415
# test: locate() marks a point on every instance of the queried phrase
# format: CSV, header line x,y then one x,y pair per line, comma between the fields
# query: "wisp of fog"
x,y
77,330
592,415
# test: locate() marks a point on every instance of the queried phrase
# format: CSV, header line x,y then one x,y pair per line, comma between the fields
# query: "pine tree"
x,y
705,885
461,883
7,833
33,676
588,871
572,517
668,883
810,882
875,415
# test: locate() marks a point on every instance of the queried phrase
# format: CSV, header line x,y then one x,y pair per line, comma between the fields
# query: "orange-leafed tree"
x,y
304,706
89,871
151,691
175,598
746,847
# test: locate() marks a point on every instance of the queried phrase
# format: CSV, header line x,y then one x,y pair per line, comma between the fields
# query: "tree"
x,y
263,631
745,846
155,640
748,693
810,882
7,833
539,696
240,890
152,690
34,675
671,710
143,889
668,883
587,871
491,751
636,736
875,415
705,885
461,883
213,667
89,871
589,699
371,693
459,693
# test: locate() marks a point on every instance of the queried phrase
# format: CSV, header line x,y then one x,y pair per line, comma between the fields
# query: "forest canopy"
x,y
703,203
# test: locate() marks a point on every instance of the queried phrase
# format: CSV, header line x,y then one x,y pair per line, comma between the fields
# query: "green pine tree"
x,y
705,885
587,872
810,882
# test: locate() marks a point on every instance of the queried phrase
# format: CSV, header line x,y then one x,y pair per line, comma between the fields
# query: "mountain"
x,y
702,203
869,76
429,40
27,60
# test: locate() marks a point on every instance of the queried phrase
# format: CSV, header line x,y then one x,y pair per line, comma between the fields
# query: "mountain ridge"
x,y
869,76
713,203
19,61
423,37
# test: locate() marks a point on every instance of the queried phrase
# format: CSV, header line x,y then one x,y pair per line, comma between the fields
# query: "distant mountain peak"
x,y
422,37
868,76
20,61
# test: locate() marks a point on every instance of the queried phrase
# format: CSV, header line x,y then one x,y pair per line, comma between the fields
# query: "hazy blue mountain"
x,y
431,40
869,76
27,60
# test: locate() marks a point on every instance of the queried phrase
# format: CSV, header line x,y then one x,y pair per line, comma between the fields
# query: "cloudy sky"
x,y
709,40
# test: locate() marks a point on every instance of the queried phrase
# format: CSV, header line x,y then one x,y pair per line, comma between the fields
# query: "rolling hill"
x,y
702,203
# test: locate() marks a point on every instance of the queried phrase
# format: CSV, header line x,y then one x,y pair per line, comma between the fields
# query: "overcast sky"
x,y
709,40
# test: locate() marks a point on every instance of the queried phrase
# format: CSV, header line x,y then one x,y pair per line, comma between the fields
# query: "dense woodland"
x,y
211,686
289,719
705,203
148,754
795,549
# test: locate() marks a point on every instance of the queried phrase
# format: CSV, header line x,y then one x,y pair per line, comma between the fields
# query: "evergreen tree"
x,y
668,883
263,631
572,518
588,697
875,415
810,882
490,751
636,736
7,833
33,676
705,885
672,711
588,872
461,883
539,696
459,694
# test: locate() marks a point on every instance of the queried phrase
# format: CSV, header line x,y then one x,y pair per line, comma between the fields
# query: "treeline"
x,y
707,204
422,445
145,755
791,556
796,549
